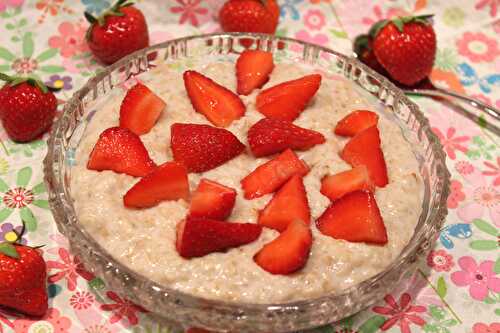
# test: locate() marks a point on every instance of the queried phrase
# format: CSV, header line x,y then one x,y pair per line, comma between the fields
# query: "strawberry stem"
x,y
9,250
15,80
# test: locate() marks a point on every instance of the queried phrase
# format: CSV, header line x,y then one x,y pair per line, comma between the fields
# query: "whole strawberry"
x,y
119,31
23,277
249,16
405,47
27,108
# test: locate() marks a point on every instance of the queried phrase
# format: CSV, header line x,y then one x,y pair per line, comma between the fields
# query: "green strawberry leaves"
x,y
15,80
113,11
9,250
399,22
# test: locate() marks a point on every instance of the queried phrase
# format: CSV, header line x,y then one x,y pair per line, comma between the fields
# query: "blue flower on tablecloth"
x,y
469,77
289,7
9,233
60,82
96,6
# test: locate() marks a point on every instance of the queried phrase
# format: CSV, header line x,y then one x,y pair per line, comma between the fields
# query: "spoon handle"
x,y
484,108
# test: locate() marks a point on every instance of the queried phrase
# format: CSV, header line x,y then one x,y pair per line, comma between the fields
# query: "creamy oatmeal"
x,y
144,240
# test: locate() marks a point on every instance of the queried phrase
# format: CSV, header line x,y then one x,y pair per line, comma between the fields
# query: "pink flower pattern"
x,y
493,170
189,9
4,4
69,268
53,321
450,142
402,314
81,300
485,328
440,261
122,308
456,194
314,19
71,40
479,278
481,196
478,47
492,4
319,38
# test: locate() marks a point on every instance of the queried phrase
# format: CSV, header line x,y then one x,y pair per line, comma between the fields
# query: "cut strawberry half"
x,y
199,237
212,200
364,149
355,218
220,105
168,181
271,136
120,150
203,147
140,109
253,68
287,205
269,176
356,122
288,252
345,182
287,100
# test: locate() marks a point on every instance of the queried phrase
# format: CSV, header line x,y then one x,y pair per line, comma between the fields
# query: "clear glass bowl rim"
x,y
57,192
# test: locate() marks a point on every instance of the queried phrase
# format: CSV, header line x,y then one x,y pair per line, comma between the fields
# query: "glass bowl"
x,y
170,305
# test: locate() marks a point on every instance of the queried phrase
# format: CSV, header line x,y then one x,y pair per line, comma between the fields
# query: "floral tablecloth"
x,y
457,287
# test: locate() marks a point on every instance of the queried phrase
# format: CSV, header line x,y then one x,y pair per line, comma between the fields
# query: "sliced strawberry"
x,y
120,150
345,182
364,149
355,218
287,100
288,252
271,136
212,200
203,147
220,105
253,68
199,237
169,181
269,176
356,122
140,109
287,205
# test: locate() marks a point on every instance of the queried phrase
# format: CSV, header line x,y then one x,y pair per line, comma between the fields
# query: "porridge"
x,y
145,239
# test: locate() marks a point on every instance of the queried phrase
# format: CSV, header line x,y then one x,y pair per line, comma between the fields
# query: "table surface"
x,y
457,287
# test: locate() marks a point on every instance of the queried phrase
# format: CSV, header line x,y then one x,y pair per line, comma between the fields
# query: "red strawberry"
x,y
364,149
140,109
405,47
119,31
120,150
345,182
287,205
288,252
249,16
27,108
355,218
287,100
269,176
168,181
212,200
253,68
203,147
199,237
220,105
356,122
23,279
363,48
271,136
